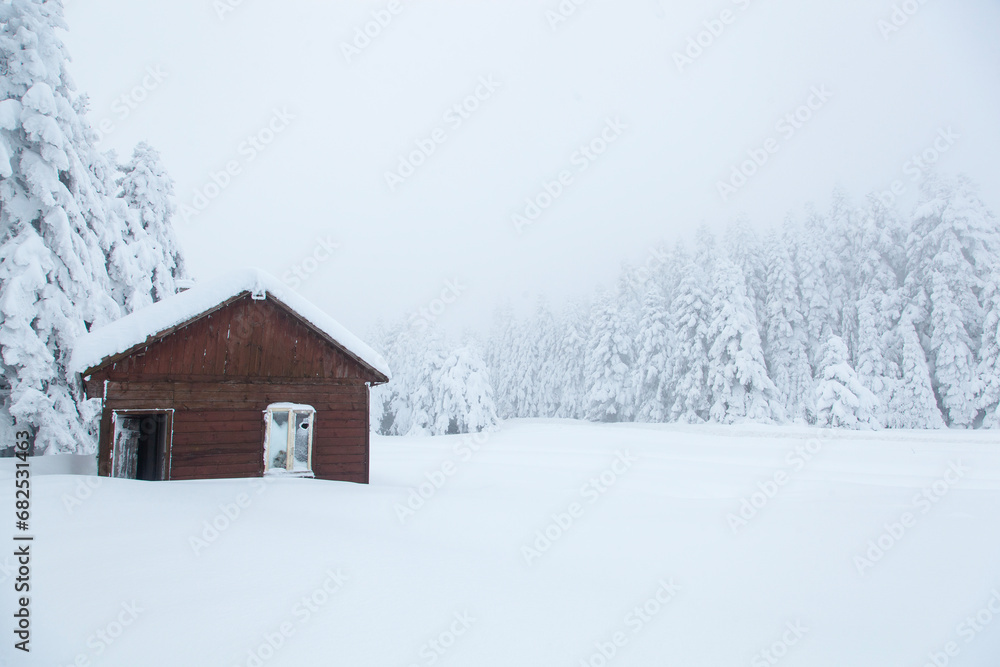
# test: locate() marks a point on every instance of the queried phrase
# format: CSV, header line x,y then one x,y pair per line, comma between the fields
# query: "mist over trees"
x,y
83,239
855,318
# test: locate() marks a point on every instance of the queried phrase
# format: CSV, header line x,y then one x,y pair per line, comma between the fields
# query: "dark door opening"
x,y
141,446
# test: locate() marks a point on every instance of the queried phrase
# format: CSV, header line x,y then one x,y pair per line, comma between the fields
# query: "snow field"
x,y
641,565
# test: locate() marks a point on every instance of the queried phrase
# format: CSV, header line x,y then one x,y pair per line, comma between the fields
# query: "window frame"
x,y
290,409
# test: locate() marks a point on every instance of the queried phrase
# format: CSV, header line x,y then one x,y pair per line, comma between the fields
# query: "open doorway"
x,y
141,445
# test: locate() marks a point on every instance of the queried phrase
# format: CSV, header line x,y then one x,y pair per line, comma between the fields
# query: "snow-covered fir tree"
x,y
571,361
876,363
433,391
841,245
737,376
654,344
951,253
811,261
424,383
465,396
785,335
911,403
691,316
610,356
745,249
147,191
842,400
880,262
53,278
547,387
954,360
504,340
989,356
69,259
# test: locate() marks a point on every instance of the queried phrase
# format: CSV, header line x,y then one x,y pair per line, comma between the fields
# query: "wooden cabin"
x,y
240,377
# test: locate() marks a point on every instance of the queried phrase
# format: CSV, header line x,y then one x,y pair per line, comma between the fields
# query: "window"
x,y
288,439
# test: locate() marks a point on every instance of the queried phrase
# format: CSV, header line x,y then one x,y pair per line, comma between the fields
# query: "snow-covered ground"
x,y
648,560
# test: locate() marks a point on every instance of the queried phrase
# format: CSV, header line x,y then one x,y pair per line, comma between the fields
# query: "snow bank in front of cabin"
x,y
540,544
136,328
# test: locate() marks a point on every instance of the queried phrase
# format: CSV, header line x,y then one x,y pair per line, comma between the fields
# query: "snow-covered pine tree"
x,y
785,336
571,358
880,261
378,397
424,384
951,253
390,410
737,376
502,340
989,355
465,398
954,360
842,249
876,366
131,285
147,190
814,281
547,389
663,268
842,400
653,353
610,356
705,249
53,277
744,248
521,358
912,403
691,313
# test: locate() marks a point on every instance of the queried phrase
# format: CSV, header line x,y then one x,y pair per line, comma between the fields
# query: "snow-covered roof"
x,y
143,325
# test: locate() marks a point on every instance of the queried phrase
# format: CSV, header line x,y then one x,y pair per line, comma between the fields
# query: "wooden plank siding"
x,y
220,372
231,343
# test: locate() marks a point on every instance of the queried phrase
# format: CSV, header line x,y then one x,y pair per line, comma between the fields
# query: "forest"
x,y
856,317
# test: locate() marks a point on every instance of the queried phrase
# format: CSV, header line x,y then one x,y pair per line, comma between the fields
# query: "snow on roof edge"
x,y
92,349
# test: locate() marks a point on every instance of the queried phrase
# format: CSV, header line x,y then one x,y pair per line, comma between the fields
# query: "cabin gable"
x,y
244,338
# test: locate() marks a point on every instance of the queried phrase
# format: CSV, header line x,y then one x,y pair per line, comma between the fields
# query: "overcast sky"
x,y
201,78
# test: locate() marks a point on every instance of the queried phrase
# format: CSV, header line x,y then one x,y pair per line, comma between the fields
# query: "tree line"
x,y
854,317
